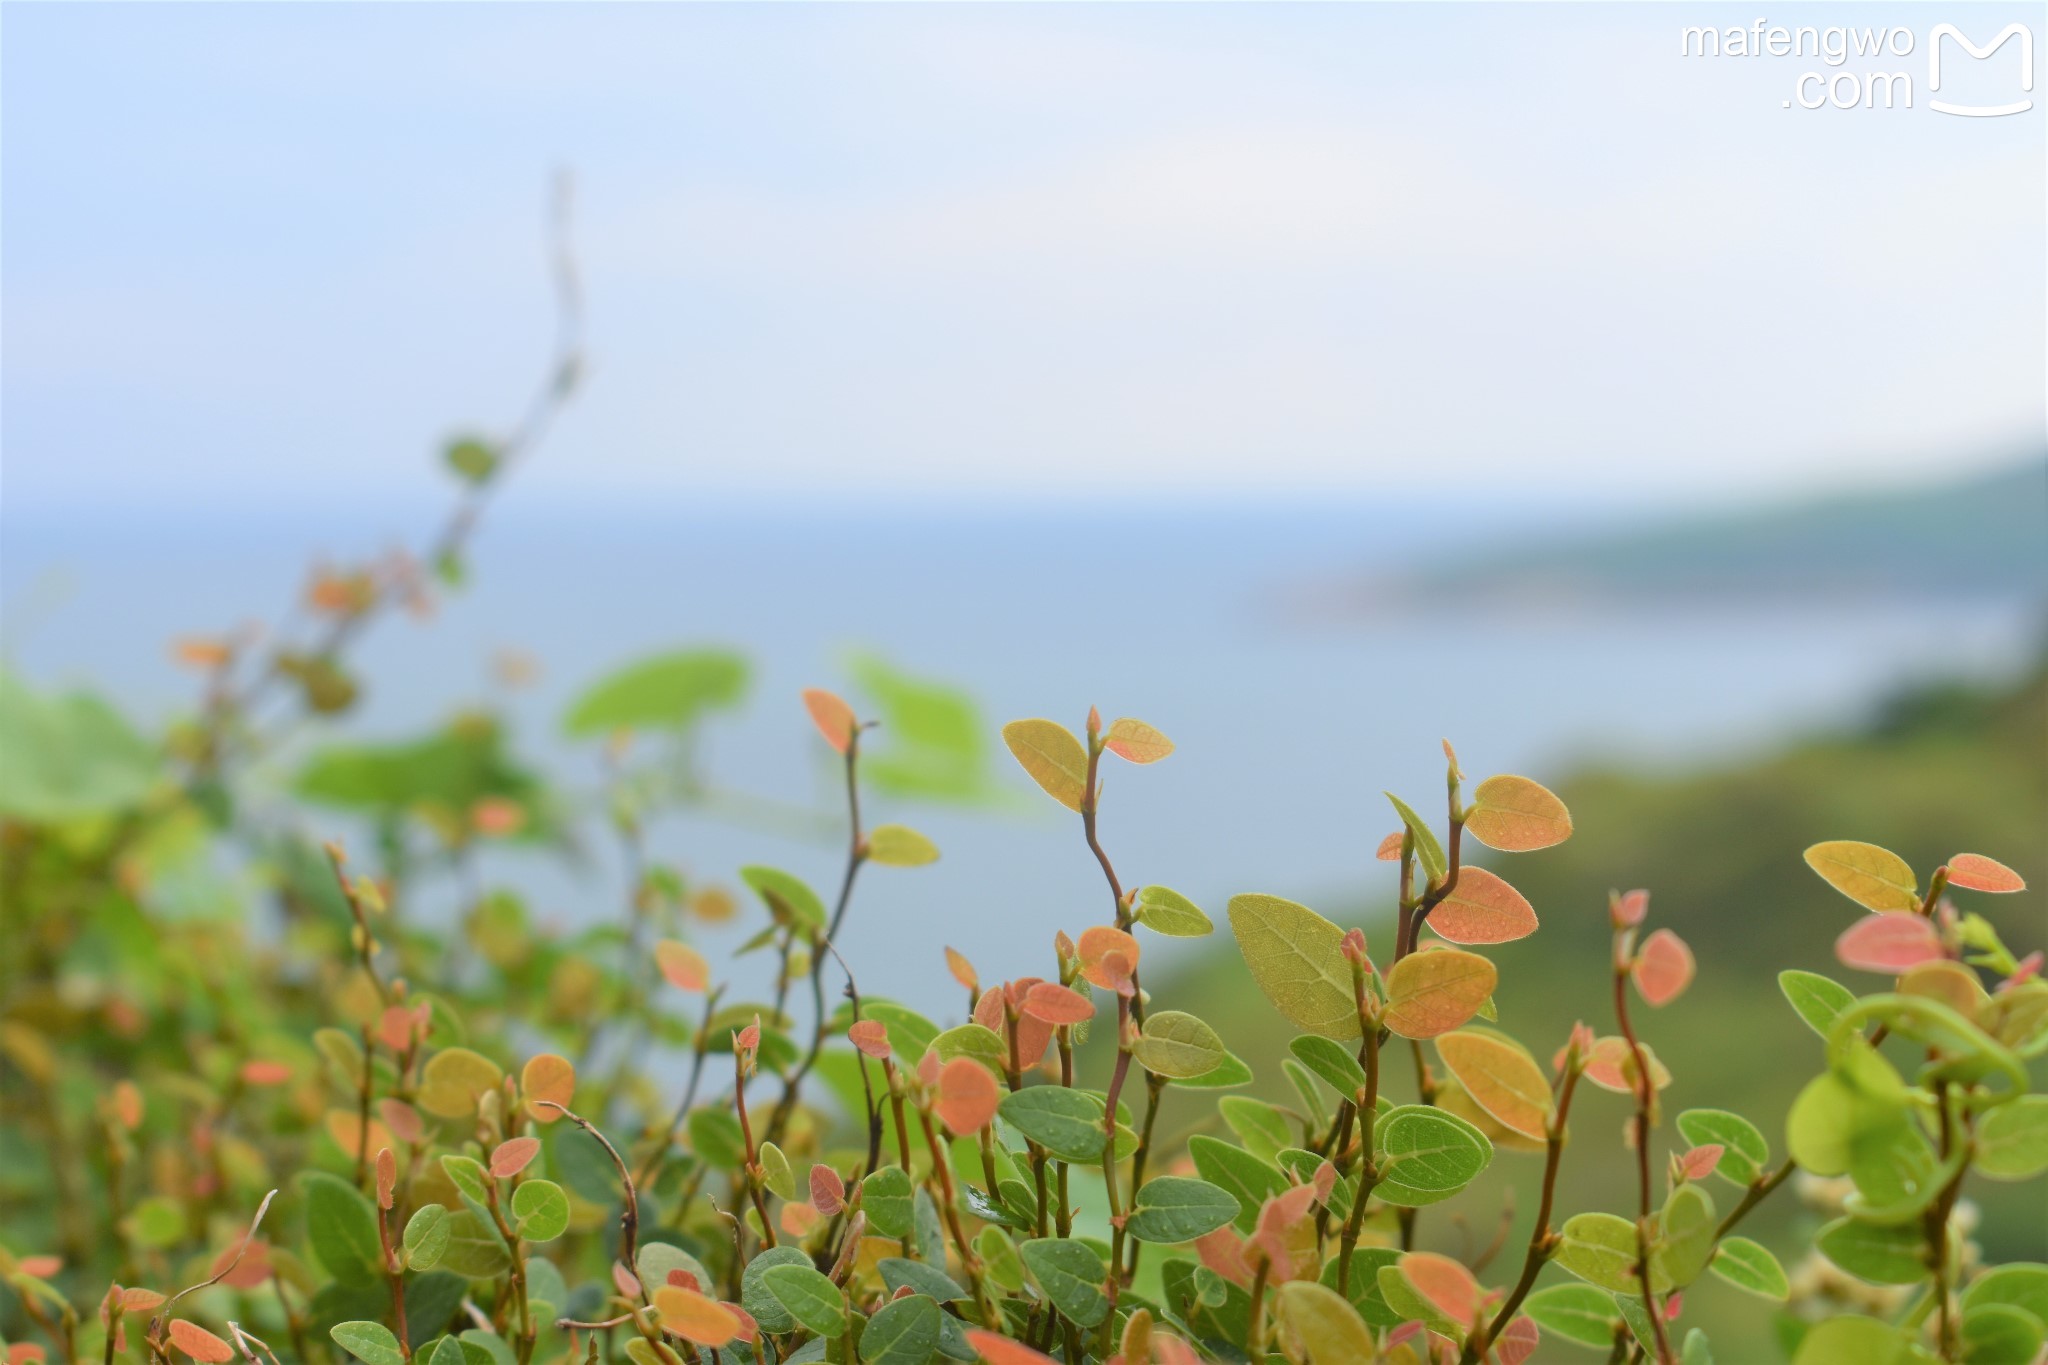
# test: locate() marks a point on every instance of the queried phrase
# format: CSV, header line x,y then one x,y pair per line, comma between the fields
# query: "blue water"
x,y
1290,721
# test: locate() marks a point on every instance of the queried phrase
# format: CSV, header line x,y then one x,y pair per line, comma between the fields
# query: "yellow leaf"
x,y
1054,758
694,1317
1321,1323
1875,878
1136,742
454,1079
1452,1099
900,846
1296,957
1500,1077
547,1077
1431,993
1514,815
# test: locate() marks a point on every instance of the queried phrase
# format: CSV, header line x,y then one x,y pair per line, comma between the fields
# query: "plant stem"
x,y
1541,1239
1645,1096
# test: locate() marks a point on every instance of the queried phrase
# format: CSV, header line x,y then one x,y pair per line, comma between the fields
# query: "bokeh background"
x,y
1314,382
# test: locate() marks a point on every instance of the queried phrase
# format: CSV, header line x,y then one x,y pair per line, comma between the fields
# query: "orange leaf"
x,y
798,1219
997,1349
547,1077
41,1267
1891,943
1483,909
128,1104
834,718
200,1344
1515,815
1223,1252
962,969
1663,968
1136,742
387,1178
1282,1221
683,966
1056,1004
695,1317
1097,944
1518,1342
402,1119
262,1071
1444,1282
1435,992
1389,850
1975,872
1033,1035
1500,1078
1611,1065
1699,1162
513,1156
870,1036
967,1096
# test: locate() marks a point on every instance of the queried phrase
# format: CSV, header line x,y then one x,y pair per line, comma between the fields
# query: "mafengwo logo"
x,y
1874,67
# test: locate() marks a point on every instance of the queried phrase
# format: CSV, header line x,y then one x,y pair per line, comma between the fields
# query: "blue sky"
x,y
264,256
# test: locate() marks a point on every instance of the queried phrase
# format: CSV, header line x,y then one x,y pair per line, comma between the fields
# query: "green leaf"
x,y
788,897
371,1342
902,1332
754,1294
1243,1176
2020,1284
1996,1334
2012,1140
1413,1305
670,692
1428,851
1332,1061
1600,1248
1166,911
887,1197
1695,1351
1750,1265
1296,960
1850,1340
1819,1000
1881,1254
342,1226
775,1172
472,458
475,1251
1177,1208
450,1351
1071,1274
69,757
1229,1074
1744,1151
1426,1154
814,1301
716,1138
1364,1287
1178,1046
981,1043
1258,1125
1576,1312
540,1210
932,742
426,1237
1685,1238
898,1271
1052,756
999,1255
1067,1123
900,846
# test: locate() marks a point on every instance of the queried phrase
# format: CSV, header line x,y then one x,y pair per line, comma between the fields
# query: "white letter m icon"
x,y
2020,31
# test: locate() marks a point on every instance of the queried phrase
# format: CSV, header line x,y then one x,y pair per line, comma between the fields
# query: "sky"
x,y
259,260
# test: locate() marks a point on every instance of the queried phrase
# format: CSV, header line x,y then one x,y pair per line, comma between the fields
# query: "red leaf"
x,y
261,1071
962,969
1108,957
1223,1252
1033,1035
1444,1282
997,1349
512,1156
1056,1005
1518,1342
682,966
1975,872
1663,968
870,1036
833,717
828,1191
967,1096
200,1344
1630,909
1699,1163
1890,942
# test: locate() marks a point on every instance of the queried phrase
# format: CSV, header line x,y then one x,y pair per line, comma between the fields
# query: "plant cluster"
x,y
847,1180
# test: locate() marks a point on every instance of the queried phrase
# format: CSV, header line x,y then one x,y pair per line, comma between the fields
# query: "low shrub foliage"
x,y
314,1146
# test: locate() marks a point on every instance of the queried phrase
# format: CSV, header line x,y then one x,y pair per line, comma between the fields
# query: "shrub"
x,y
848,1180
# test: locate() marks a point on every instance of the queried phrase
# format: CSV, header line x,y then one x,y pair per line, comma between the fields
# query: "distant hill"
x,y
1987,535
